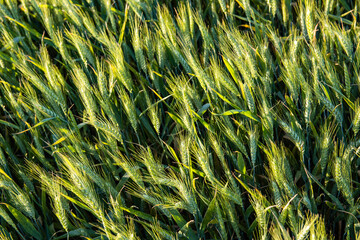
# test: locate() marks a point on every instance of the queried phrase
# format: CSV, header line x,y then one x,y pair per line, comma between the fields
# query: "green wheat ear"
x,y
356,118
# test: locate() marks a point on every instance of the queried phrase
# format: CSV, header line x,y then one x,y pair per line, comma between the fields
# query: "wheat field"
x,y
188,119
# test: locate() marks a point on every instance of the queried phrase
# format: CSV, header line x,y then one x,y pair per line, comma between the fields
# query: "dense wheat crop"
x,y
189,119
